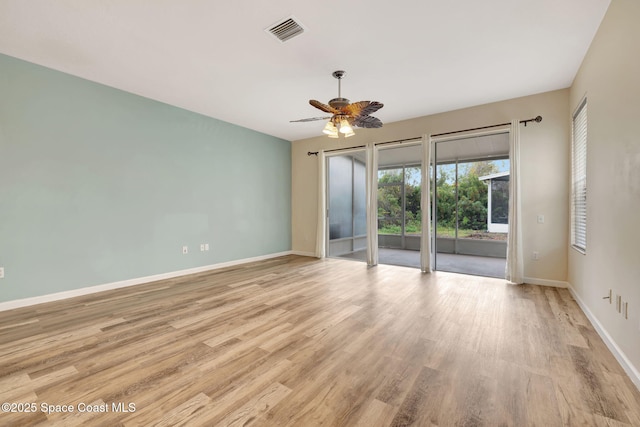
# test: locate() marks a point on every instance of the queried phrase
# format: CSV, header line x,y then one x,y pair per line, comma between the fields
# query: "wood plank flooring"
x,y
297,341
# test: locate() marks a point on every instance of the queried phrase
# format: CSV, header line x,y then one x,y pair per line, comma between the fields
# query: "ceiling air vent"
x,y
286,29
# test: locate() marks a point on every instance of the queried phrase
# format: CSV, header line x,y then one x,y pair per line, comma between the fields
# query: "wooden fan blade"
x,y
371,108
324,107
367,122
310,119
355,108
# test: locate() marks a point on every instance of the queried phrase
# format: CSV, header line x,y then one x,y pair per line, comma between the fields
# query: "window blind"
x,y
579,179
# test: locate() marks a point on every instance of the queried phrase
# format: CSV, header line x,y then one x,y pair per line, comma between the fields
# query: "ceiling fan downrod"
x,y
338,75
339,102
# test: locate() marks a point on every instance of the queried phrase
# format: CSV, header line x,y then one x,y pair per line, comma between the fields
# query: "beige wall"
x,y
610,78
545,172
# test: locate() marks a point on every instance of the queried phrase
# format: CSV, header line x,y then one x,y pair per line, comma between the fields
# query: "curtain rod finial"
x,y
537,119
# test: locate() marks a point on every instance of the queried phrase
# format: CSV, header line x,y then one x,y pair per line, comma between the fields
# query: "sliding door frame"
x,y
403,166
450,138
346,152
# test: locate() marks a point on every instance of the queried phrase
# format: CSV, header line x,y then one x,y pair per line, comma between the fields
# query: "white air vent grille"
x,y
286,29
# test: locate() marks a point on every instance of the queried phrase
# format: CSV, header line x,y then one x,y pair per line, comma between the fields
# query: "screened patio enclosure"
x,y
466,167
466,198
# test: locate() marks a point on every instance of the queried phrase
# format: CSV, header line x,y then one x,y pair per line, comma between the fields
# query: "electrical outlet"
x,y
201,247
536,255
1,272
540,219
185,250
206,246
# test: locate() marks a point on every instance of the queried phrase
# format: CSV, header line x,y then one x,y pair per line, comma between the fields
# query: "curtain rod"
x,y
315,153
536,119
417,138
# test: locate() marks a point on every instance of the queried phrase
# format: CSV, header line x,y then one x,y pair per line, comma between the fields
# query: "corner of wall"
x,y
620,356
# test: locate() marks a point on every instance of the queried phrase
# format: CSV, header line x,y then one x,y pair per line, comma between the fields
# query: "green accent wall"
x,y
98,185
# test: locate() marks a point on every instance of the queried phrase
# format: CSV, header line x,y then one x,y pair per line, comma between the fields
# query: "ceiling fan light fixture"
x,y
345,127
330,128
333,135
348,134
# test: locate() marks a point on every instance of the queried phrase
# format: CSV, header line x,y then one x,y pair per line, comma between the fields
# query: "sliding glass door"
x,y
346,206
399,214
399,204
471,204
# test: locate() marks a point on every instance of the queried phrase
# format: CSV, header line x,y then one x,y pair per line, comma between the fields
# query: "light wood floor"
x,y
303,342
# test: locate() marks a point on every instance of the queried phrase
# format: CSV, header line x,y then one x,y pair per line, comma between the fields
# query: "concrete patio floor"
x,y
465,264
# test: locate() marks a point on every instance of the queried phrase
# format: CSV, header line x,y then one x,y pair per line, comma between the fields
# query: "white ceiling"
x,y
213,57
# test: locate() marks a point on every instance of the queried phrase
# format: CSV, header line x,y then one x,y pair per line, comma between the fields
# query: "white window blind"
x,y
579,179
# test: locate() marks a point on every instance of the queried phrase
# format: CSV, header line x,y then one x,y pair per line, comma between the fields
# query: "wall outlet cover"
x,y
1,272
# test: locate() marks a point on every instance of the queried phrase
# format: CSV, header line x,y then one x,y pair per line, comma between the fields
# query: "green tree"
x,y
413,195
471,205
446,195
472,202
472,195
389,201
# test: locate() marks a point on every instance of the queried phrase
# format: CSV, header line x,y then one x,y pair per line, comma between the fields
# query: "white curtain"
x,y
425,207
372,205
321,233
515,257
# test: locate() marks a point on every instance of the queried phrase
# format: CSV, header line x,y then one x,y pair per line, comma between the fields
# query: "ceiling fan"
x,y
345,114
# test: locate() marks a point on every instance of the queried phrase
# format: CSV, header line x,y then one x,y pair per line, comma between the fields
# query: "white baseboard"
x,y
626,364
25,302
545,282
302,253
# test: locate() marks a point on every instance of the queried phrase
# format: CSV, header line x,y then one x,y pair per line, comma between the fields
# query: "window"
x,y
399,194
579,178
473,199
390,182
